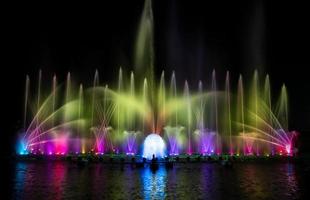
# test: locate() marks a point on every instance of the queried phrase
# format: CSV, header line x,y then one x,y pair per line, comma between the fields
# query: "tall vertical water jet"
x,y
38,98
68,88
161,103
282,108
105,103
254,103
119,107
39,89
54,85
201,118
215,113
203,137
145,102
95,84
144,49
37,132
227,95
144,55
240,112
80,111
173,95
187,100
68,96
80,99
267,100
27,84
130,112
61,144
107,114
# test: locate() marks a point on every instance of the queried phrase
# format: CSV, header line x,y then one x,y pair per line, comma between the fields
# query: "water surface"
x,y
63,180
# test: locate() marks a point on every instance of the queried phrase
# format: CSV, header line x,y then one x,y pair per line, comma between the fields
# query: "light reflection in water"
x,y
21,170
63,180
154,183
57,176
291,178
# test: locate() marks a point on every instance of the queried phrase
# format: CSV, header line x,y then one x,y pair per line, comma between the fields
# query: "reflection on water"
x,y
154,183
20,179
62,180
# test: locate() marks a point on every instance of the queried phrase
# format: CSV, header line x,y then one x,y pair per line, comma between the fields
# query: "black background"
x,y
191,37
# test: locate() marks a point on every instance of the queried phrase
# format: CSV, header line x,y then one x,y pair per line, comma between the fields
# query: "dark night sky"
x,y
191,37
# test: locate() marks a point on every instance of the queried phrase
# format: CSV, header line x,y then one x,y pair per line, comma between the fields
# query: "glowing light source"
x,y
288,148
154,145
22,148
23,152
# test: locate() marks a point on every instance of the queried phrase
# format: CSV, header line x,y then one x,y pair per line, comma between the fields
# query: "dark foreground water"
x,y
63,180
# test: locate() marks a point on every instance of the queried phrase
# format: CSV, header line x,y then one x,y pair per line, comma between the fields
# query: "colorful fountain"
x,y
102,120
195,118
